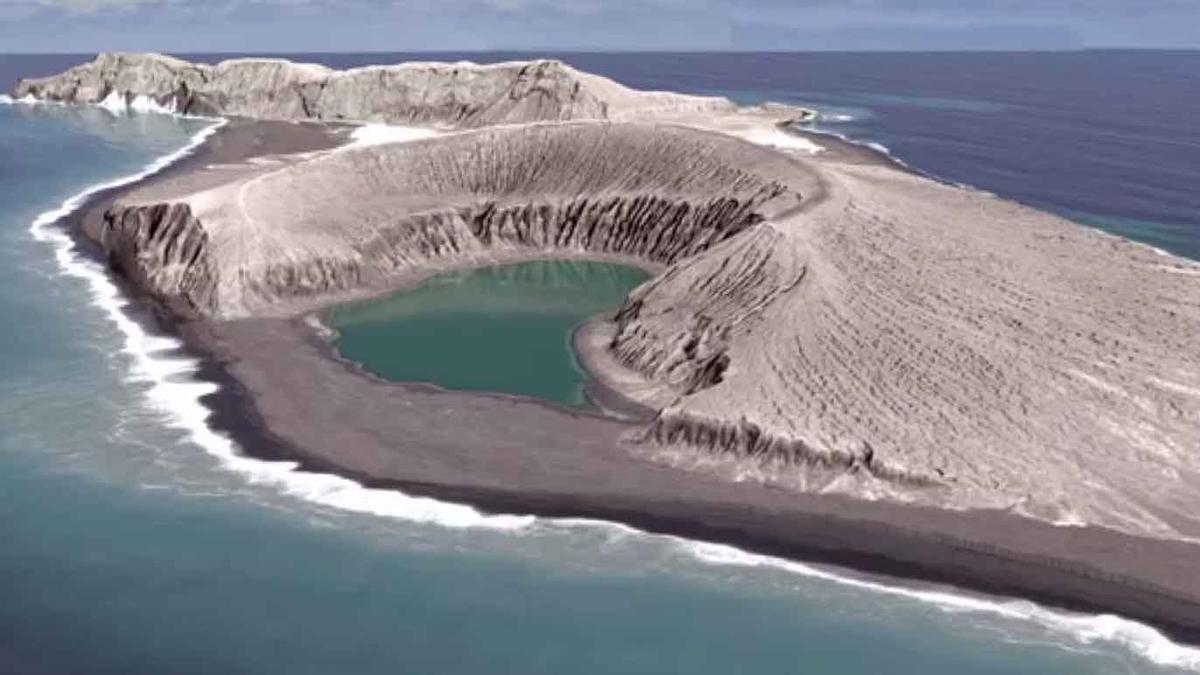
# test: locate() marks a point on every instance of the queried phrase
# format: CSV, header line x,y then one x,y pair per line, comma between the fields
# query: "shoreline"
x,y
597,389
827,539
945,564
874,153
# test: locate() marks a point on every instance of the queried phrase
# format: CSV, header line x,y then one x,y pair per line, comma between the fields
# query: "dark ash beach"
x,y
284,395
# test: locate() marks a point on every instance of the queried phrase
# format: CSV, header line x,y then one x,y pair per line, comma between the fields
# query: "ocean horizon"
x,y
115,487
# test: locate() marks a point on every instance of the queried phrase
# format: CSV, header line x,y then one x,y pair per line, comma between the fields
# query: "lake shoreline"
x,y
454,310
260,366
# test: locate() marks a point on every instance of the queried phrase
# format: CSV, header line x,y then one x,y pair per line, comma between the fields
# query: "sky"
x,y
460,25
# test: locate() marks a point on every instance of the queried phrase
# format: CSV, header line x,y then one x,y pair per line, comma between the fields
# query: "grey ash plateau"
x,y
817,323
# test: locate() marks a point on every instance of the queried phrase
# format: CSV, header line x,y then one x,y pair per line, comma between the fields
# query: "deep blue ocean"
x,y
134,540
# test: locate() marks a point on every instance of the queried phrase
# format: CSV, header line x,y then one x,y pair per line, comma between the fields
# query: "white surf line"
x,y
834,117
115,104
175,392
887,152
27,99
1141,639
1138,638
118,104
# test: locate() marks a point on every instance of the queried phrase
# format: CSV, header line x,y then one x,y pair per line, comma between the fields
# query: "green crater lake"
x,y
504,329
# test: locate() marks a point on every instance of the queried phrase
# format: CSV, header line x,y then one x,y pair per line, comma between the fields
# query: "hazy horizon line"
x,y
587,50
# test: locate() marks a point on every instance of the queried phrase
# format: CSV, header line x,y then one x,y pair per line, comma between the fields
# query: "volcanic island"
x,y
836,359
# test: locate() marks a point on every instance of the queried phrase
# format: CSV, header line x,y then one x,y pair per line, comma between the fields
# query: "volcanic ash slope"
x,y
939,345
272,238
451,94
818,325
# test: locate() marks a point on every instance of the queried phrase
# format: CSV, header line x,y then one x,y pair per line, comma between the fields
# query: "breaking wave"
x,y
118,105
114,103
1143,640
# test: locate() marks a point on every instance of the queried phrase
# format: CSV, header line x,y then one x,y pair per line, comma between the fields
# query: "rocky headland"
x,y
989,378
451,94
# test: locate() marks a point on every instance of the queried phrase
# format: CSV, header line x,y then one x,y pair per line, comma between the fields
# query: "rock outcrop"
x,y
163,247
451,94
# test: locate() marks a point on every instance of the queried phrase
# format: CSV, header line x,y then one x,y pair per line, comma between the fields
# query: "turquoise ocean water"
x,y
137,541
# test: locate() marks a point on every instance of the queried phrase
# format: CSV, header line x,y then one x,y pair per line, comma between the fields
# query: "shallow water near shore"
x,y
502,329
131,546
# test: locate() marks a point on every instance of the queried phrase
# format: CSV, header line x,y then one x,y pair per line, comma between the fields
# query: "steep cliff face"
x,y
275,240
719,294
657,227
455,94
164,248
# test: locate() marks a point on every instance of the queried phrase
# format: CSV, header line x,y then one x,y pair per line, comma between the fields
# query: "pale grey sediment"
x,y
266,238
457,94
287,397
819,326
831,344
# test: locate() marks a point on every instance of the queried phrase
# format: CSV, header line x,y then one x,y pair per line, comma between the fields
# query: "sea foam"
x,y
1143,640
27,99
115,103
173,390
886,152
119,104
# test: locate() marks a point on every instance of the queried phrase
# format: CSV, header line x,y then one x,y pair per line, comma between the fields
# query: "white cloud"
x,y
584,7
75,6
19,8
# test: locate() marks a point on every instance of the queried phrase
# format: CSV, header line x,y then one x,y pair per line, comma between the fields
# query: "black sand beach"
x,y
284,395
